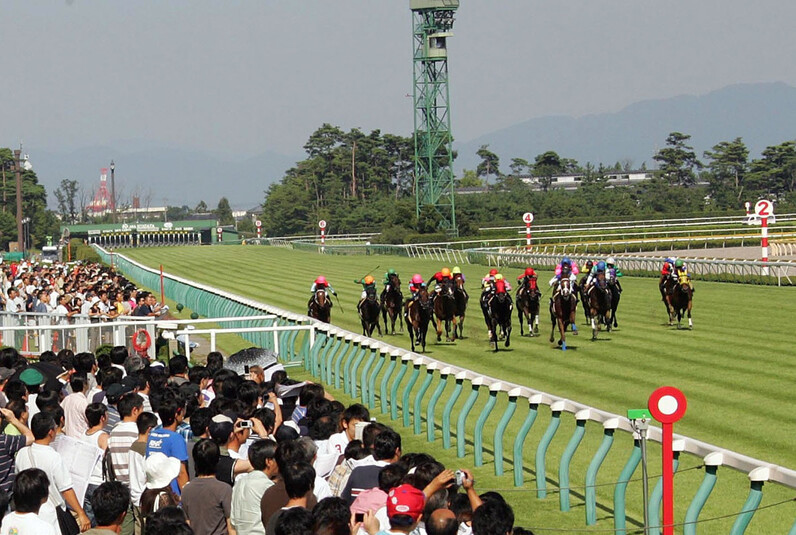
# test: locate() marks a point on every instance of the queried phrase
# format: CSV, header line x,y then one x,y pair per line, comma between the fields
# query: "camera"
x,y
359,517
459,477
245,424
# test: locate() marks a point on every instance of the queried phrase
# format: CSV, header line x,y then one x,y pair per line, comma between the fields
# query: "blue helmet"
x,y
600,266
566,261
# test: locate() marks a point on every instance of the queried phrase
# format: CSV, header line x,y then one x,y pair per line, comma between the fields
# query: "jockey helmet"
x,y
610,261
417,279
320,280
369,279
499,277
678,263
529,272
391,271
589,264
493,272
456,270
600,266
445,272
566,261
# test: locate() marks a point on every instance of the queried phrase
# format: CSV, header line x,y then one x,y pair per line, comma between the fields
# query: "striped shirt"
x,y
9,446
122,437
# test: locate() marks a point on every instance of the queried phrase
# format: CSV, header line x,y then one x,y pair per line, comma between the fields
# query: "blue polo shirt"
x,y
170,444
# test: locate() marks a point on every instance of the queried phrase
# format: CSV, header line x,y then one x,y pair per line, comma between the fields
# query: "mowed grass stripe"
x,y
736,363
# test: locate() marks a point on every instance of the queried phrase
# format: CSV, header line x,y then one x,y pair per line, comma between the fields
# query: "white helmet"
x,y
611,260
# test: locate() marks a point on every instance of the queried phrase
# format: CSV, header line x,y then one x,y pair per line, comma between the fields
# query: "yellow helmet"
x,y
499,277
456,270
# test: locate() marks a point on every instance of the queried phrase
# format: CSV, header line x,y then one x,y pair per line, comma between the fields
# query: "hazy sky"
x,y
244,77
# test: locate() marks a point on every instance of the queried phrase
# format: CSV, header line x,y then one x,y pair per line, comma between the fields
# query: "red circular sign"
x,y
322,223
527,217
667,404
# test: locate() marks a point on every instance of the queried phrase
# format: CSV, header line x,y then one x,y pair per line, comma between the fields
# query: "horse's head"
x,y
565,287
320,296
370,293
395,282
601,279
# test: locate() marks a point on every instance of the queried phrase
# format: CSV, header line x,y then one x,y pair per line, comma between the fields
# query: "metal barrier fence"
x,y
408,388
745,271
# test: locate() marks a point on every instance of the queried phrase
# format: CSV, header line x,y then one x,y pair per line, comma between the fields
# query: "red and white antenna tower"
x,y
102,203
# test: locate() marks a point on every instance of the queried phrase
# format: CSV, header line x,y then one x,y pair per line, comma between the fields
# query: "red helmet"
x,y
320,280
529,272
493,272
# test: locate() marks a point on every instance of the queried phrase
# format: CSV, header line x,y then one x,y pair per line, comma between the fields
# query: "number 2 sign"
x,y
764,208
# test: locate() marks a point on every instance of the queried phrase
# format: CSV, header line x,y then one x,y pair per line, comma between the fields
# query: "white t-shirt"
x,y
338,442
49,460
25,524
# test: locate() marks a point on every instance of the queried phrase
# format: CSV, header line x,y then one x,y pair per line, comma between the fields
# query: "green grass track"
x,y
736,367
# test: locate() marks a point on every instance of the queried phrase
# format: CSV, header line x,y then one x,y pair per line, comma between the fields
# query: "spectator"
x,y
299,480
31,489
118,356
41,455
339,479
386,450
167,441
249,488
9,446
405,505
20,411
376,498
295,521
160,471
207,502
353,415
178,370
123,436
321,488
5,375
229,434
331,517
145,423
110,503
288,453
442,522
74,406
96,414
494,517
170,519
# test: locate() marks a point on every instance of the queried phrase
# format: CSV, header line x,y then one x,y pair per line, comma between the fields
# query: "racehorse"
x,y
445,310
616,294
581,289
391,302
528,307
562,311
418,314
320,306
599,305
680,302
499,309
461,297
369,310
666,287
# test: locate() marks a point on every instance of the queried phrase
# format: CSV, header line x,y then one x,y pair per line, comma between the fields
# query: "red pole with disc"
x,y
667,405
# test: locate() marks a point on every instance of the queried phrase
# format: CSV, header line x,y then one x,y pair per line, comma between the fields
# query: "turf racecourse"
x,y
736,366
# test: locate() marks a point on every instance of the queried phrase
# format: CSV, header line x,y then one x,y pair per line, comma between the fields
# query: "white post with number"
x,y
764,209
527,217
259,225
322,226
220,234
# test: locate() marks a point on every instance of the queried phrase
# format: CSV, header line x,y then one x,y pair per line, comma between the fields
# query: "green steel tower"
x,y
432,22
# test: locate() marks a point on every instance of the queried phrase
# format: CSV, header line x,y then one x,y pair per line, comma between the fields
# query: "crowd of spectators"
x,y
205,450
66,290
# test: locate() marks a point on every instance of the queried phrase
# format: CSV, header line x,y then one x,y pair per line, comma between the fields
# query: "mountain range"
x,y
762,114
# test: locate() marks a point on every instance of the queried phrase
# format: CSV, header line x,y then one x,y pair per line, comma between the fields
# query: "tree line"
x,y
364,182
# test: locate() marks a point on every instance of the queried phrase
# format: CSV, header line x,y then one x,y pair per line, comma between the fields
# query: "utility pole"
x,y
18,170
113,191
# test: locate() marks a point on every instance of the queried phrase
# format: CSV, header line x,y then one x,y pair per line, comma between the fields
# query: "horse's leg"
x,y
690,323
508,331
593,328
519,317
562,328
439,330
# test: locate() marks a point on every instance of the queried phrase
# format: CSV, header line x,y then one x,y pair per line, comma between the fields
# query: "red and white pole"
x,y
764,244
323,237
528,235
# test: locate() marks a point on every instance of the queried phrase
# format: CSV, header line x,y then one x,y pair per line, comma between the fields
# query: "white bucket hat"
x,y
161,470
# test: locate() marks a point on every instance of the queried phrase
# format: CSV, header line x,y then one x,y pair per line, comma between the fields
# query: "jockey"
x,y
681,272
415,284
368,283
439,278
488,279
457,273
321,284
587,267
598,268
613,273
505,284
529,278
389,273
565,270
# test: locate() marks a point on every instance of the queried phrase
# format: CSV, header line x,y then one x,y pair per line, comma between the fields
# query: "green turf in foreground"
x,y
736,368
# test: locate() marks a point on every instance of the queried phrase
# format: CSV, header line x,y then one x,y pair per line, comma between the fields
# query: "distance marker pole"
x,y
764,244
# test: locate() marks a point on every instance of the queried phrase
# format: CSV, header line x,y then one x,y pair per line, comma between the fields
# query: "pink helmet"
x,y
417,279
320,280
